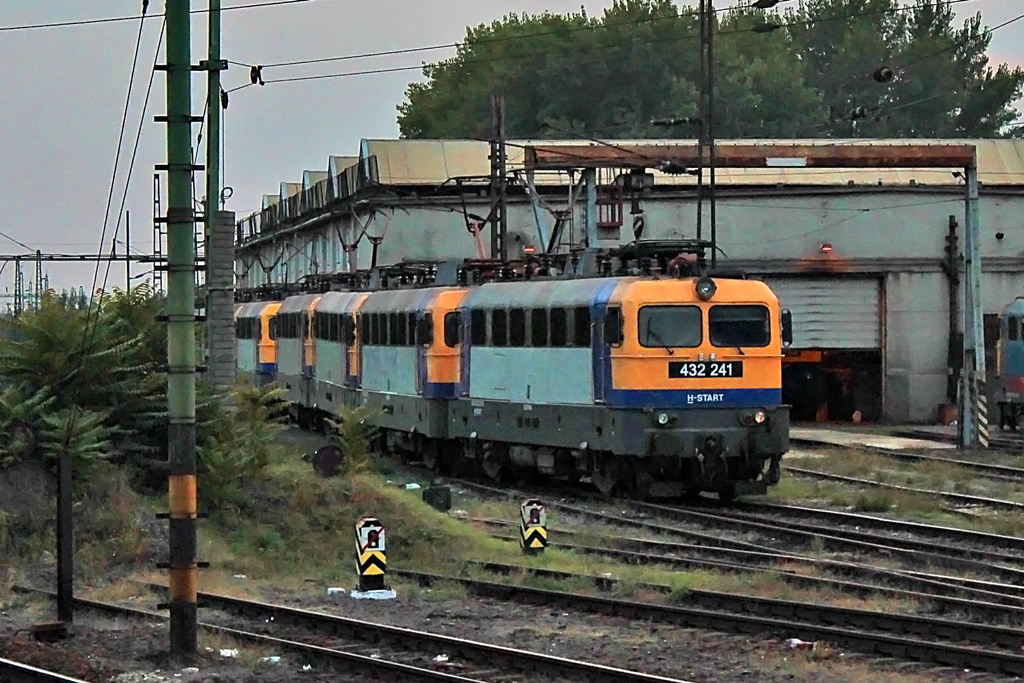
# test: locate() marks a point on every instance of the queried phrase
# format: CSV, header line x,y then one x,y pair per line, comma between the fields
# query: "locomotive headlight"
x,y
663,419
706,288
759,417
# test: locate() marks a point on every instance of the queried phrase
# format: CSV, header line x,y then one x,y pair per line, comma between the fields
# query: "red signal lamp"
x,y
826,248
528,250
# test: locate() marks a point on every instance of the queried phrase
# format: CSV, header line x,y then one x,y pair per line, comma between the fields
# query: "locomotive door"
x,y
605,333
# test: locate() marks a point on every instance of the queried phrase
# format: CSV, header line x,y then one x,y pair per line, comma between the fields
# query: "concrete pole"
x,y
977,329
181,338
973,403
219,226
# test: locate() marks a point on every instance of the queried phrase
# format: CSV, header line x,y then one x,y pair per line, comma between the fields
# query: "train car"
x,y
1009,380
407,372
647,380
336,357
256,350
649,387
292,329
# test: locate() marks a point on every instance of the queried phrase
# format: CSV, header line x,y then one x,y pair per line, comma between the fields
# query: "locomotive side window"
x,y
402,338
539,328
739,326
665,327
392,329
451,329
1013,328
499,328
559,327
517,327
478,322
349,330
581,326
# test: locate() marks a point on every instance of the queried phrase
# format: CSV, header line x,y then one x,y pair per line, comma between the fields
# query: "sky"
x,y
64,90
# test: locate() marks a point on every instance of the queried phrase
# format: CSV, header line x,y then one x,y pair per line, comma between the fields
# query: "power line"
x,y
526,36
111,20
482,41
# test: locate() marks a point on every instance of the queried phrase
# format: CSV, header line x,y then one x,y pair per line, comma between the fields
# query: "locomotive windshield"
x,y
670,326
739,326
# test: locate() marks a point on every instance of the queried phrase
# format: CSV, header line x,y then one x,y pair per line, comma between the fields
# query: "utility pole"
x,y
181,340
39,279
707,122
19,288
127,252
498,157
219,248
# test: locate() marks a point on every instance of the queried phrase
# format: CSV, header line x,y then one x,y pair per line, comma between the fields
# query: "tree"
x,y
610,76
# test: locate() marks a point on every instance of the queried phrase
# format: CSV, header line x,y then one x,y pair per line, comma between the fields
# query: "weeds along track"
x,y
958,498
781,535
939,594
374,649
992,649
15,672
1002,472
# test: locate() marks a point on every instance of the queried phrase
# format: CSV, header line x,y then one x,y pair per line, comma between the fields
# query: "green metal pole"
x,y
181,340
213,66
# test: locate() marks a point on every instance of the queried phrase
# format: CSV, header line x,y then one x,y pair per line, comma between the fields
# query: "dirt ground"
x,y
105,649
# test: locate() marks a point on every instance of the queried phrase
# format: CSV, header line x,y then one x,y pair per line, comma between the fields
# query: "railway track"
x,y
1003,472
915,552
958,498
890,623
873,633
995,602
16,672
382,650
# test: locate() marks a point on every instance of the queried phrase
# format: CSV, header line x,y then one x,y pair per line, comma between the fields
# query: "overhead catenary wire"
x,y
88,335
384,70
136,17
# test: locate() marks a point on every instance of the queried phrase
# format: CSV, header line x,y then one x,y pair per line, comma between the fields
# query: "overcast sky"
x,y
64,89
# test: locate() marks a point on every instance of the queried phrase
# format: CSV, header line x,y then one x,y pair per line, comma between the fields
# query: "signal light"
x,y
528,250
826,248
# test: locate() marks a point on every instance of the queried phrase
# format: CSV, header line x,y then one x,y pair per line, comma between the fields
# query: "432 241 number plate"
x,y
711,369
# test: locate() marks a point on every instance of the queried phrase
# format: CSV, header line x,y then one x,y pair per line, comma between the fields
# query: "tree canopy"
x,y
808,75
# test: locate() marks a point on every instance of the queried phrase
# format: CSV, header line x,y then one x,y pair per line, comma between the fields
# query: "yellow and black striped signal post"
x,y
533,536
371,557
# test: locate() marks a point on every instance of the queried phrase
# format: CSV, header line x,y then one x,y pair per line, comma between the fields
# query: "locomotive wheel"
x,y
691,496
429,455
727,494
495,466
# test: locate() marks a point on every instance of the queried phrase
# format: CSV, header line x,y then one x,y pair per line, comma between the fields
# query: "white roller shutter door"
x,y
832,313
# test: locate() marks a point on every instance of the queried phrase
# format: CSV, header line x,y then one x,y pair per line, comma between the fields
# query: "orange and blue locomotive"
x,y
647,378
1009,380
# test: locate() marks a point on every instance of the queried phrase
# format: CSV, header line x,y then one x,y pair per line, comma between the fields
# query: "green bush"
x,y
353,434
238,445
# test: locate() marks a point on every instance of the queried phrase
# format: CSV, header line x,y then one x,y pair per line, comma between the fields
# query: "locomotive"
x,y
636,368
1009,380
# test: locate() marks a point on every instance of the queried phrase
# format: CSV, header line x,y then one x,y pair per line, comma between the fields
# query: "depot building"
x,y
869,261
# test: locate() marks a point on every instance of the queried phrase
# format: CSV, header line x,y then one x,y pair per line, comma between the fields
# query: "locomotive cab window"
x,y
739,326
666,327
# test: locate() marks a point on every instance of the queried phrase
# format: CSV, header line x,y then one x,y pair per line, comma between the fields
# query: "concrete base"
x,y
388,594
